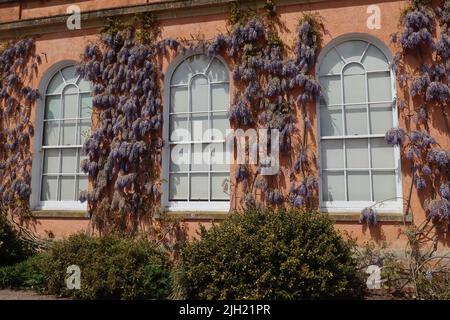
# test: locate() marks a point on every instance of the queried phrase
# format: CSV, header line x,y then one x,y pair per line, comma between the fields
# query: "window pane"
x,y
199,63
48,190
179,158
379,86
69,161
380,118
69,74
375,60
332,154
51,161
382,154
67,186
332,63
178,128
56,85
330,121
86,105
181,75
84,85
178,186
358,185
199,186
219,122
219,161
51,129
356,119
220,96
84,130
68,131
217,71
199,94
199,157
357,155
331,87
384,186
82,185
220,186
70,106
352,50
52,107
333,186
199,126
179,99
354,88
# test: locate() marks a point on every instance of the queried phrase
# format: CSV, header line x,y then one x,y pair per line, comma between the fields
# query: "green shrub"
x,y
12,248
112,267
264,254
25,274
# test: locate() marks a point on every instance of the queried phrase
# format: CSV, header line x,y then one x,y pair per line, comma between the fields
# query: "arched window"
x,y
196,121
358,168
65,122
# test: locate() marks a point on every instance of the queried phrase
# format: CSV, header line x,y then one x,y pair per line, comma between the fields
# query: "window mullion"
x,y
209,138
369,131
344,131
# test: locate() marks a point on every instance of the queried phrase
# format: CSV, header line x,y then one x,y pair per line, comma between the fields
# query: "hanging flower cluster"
x,y
428,87
271,87
18,66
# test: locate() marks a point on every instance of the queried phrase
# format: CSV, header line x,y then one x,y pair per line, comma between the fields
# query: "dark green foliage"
x,y
25,274
265,254
112,267
12,248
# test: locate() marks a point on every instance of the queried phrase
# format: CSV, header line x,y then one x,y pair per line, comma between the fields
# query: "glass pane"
x,y
69,74
384,186
380,118
219,161
86,105
382,154
331,87
357,155
84,130
70,106
69,161
331,64
178,187
354,88
82,185
199,63
85,86
48,190
220,123
217,71
68,131
332,154
51,161
56,85
356,119
52,107
182,74
352,50
179,99
199,125
179,157
178,128
51,129
67,187
200,157
379,86
333,186
199,94
358,185
220,186
220,97
330,121
199,186
375,60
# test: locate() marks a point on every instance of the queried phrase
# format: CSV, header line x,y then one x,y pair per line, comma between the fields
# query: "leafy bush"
x,y
111,267
12,248
25,274
266,254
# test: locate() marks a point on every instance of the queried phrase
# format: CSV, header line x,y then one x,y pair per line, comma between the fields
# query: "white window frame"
x,y
38,151
396,205
183,206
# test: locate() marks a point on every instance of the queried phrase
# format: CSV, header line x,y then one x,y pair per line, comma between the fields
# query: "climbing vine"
x,y
18,67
